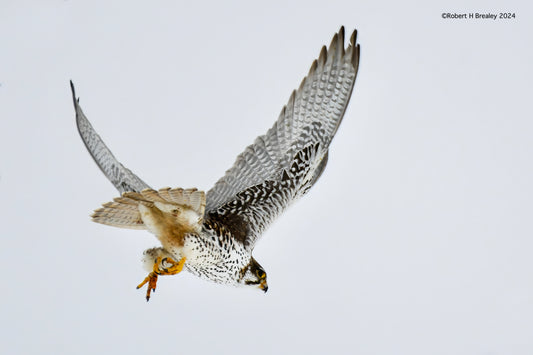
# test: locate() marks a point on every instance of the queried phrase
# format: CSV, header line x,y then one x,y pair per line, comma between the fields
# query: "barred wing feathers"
x,y
121,177
283,164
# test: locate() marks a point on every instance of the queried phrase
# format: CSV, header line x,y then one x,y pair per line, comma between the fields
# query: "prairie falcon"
x,y
212,235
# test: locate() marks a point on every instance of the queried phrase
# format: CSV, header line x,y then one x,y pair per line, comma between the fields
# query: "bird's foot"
x,y
151,279
175,267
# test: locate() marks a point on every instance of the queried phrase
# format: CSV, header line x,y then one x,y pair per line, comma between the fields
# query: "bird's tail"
x,y
123,212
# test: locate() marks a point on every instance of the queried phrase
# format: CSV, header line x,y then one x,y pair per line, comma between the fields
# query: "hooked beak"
x,y
263,286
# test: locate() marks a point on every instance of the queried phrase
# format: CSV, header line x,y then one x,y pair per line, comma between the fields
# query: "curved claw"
x,y
151,279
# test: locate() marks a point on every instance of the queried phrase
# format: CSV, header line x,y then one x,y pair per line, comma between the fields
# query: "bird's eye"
x,y
260,274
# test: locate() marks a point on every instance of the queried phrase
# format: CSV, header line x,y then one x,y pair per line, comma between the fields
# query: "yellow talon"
x,y
151,279
175,268
152,283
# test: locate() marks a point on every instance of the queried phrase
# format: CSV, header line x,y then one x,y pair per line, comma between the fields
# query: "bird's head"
x,y
254,276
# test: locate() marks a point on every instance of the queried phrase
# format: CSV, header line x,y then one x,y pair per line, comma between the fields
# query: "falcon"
x,y
212,235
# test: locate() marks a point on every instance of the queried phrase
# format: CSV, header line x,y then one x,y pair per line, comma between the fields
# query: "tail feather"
x,y
126,201
147,195
119,214
124,212
189,197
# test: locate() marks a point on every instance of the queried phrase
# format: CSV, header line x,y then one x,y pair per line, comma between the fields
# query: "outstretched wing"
x,y
120,176
283,164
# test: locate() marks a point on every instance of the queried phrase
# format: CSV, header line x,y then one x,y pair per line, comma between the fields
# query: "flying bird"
x,y
212,235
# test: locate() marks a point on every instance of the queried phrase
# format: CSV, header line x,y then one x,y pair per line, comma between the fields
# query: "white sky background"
x,y
416,240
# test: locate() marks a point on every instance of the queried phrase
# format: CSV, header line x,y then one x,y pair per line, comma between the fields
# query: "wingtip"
x,y
353,38
333,44
323,55
292,98
341,41
76,101
336,47
313,68
302,84
355,58
356,50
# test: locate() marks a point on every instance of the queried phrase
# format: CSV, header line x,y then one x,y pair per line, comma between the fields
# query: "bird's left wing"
x,y
283,164
120,176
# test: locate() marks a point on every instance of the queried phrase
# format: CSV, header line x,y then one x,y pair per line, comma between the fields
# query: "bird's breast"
x,y
214,257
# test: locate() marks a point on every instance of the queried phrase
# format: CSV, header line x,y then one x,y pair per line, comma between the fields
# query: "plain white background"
x,y
416,240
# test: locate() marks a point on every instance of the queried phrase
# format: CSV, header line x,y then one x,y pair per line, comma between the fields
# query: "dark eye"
x,y
260,274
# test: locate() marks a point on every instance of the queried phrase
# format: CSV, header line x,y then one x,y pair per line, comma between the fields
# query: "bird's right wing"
x,y
283,164
120,176
312,115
